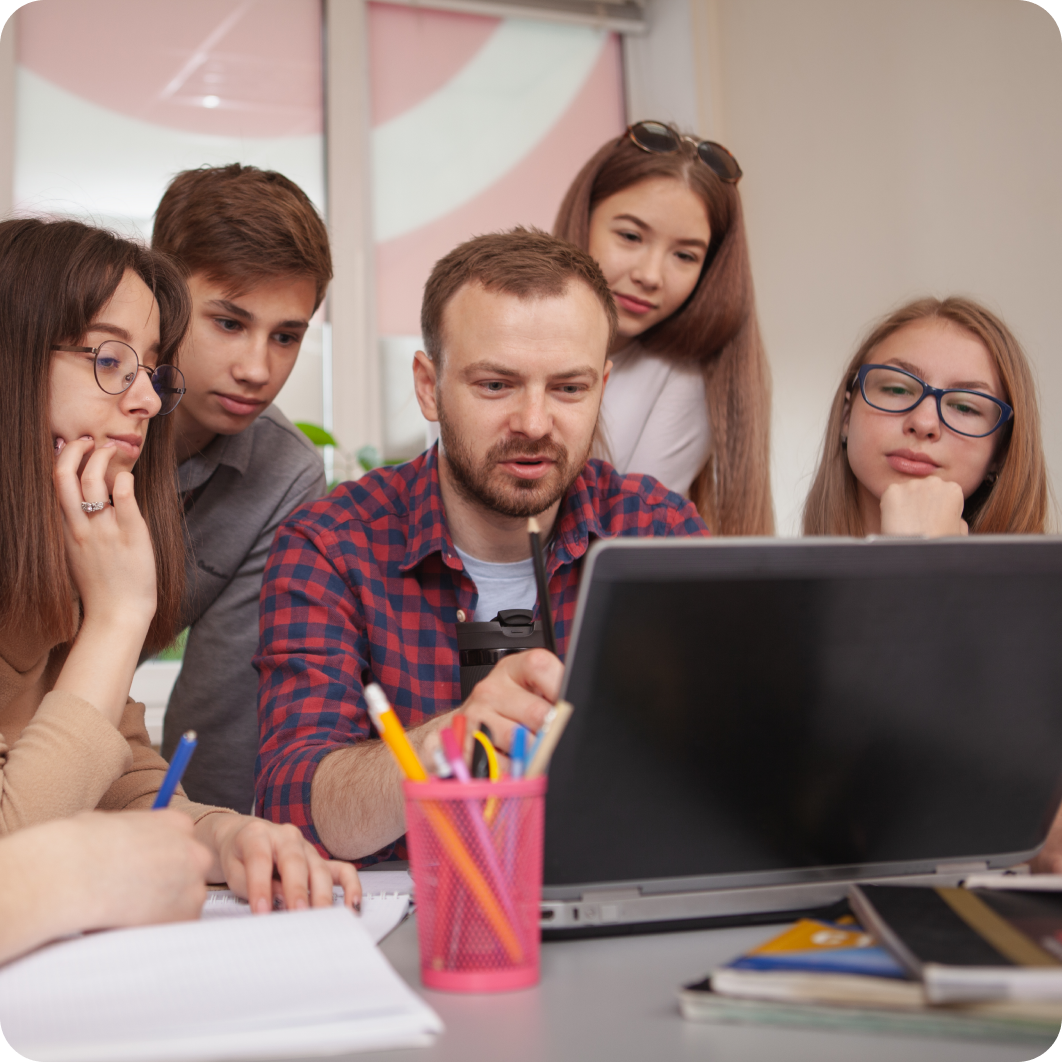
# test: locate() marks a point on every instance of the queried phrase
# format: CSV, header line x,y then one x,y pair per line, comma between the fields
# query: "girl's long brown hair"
x,y
1015,503
716,328
55,277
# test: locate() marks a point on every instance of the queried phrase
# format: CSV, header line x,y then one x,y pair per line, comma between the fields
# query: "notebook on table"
x,y
285,985
760,723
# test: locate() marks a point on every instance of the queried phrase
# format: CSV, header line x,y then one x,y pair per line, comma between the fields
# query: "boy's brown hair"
x,y
242,225
527,263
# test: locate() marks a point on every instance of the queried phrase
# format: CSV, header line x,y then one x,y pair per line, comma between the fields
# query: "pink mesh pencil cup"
x,y
475,852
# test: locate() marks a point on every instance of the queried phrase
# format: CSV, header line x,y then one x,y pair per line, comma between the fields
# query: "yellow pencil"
x,y
391,731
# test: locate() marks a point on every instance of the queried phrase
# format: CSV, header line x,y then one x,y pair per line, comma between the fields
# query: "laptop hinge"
x,y
977,866
611,894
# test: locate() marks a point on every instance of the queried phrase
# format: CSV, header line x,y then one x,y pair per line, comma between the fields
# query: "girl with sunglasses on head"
x,y
688,400
934,430
91,551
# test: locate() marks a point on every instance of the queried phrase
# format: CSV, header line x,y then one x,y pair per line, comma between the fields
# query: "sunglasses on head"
x,y
660,139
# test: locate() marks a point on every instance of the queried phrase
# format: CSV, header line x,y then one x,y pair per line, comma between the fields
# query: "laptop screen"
x,y
763,711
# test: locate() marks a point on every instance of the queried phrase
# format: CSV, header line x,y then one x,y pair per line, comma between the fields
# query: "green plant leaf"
x,y
316,434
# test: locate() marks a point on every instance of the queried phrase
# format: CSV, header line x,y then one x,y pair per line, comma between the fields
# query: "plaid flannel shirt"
x,y
364,585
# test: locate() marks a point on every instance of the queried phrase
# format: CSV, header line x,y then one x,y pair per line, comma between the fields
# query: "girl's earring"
x,y
991,478
844,442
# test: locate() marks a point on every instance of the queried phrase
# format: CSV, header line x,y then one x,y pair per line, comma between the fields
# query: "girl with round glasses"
x,y
688,400
934,430
91,549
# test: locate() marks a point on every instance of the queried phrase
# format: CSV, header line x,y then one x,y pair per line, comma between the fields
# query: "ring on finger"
x,y
94,507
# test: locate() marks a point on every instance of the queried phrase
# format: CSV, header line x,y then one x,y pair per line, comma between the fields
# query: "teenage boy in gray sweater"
x,y
256,256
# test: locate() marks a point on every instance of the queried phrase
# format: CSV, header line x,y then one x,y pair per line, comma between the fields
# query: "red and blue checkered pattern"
x,y
364,585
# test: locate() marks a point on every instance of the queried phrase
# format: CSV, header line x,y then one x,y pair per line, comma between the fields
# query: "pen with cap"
x,y
181,755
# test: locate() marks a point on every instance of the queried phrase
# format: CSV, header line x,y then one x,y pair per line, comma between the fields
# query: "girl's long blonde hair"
x,y
1014,501
716,328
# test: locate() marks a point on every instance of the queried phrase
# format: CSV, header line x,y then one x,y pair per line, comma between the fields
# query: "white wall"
x,y
890,150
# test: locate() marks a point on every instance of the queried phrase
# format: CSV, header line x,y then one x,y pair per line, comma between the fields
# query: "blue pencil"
x,y
181,756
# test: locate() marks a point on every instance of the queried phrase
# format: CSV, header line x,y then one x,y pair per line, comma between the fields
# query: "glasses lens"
x,y
654,136
719,160
890,390
969,413
116,366
168,382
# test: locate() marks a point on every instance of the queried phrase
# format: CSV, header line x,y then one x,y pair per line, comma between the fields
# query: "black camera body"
x,y
481,645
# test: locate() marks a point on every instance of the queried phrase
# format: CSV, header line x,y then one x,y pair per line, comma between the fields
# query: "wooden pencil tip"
x,y
533,527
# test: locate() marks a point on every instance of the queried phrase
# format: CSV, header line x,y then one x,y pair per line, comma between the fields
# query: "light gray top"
x,y
237,492
500,585
654,418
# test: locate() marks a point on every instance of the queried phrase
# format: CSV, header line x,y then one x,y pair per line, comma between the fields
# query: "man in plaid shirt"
x,y
369,583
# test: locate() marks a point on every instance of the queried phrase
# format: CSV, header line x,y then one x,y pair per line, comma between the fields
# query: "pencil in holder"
x,y
475,852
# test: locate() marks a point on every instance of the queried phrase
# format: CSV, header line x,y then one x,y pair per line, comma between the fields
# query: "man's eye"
x,y
285,339
571,389
227,324
494,386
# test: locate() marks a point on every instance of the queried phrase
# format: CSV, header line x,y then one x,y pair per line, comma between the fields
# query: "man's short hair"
x,y
242,224
527,263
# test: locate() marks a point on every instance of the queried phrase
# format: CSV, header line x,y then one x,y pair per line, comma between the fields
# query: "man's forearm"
x,y
356,797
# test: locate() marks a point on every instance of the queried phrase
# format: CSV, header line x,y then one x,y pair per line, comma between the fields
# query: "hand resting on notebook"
x,y
98,871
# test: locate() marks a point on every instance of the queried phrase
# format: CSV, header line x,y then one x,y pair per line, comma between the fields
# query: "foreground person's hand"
x,y
98,871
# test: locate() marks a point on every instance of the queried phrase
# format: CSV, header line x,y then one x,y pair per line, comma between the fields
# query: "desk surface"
x,y
615,999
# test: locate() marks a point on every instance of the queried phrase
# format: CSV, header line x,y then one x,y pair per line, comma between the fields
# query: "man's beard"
x,y
498,491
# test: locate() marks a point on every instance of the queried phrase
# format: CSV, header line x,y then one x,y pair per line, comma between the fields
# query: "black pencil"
x,y
545,610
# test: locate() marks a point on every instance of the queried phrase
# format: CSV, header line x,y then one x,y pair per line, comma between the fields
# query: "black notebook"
x,y
969,944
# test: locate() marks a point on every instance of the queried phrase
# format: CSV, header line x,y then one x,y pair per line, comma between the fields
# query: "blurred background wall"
x,y
889,149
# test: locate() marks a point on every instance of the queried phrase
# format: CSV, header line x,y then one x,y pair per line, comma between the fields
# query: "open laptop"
x,y
759,723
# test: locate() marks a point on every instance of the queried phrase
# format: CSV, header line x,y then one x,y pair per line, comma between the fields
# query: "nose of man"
x,y
531,418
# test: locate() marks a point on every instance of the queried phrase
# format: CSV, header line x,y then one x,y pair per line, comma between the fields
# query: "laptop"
x,y
760,723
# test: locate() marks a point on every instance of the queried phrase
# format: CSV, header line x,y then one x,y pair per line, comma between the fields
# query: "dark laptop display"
x,y
768,712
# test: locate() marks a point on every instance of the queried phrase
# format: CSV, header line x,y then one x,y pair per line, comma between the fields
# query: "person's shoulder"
x,y
276,440
379,500
631,503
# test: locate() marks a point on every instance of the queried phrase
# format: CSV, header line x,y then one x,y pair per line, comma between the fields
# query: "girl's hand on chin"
x,y
929,507
109,552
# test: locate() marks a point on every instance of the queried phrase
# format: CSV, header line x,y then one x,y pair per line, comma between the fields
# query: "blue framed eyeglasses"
x,y
970,413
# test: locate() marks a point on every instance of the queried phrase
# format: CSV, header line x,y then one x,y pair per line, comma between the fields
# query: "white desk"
x,y
615,1000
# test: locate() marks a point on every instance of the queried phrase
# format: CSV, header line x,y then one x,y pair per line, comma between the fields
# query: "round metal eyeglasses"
x,y
970,413
660,139
115,365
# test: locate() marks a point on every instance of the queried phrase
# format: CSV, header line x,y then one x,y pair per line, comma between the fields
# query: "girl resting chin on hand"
x,y
934,430
92,555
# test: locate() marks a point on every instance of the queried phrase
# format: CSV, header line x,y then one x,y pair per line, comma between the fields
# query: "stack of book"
x,y
980,963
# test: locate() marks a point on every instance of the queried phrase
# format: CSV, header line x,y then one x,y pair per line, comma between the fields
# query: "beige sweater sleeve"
x,y
64,761
70,759
143,775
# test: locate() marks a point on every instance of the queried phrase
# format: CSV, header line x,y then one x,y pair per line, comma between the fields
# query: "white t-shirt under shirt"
x,y
654,418
500,586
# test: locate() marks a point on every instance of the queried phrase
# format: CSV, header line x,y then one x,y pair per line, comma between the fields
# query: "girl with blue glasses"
x,y
934,430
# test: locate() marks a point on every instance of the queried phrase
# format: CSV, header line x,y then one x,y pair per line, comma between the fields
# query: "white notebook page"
x,y
294,983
